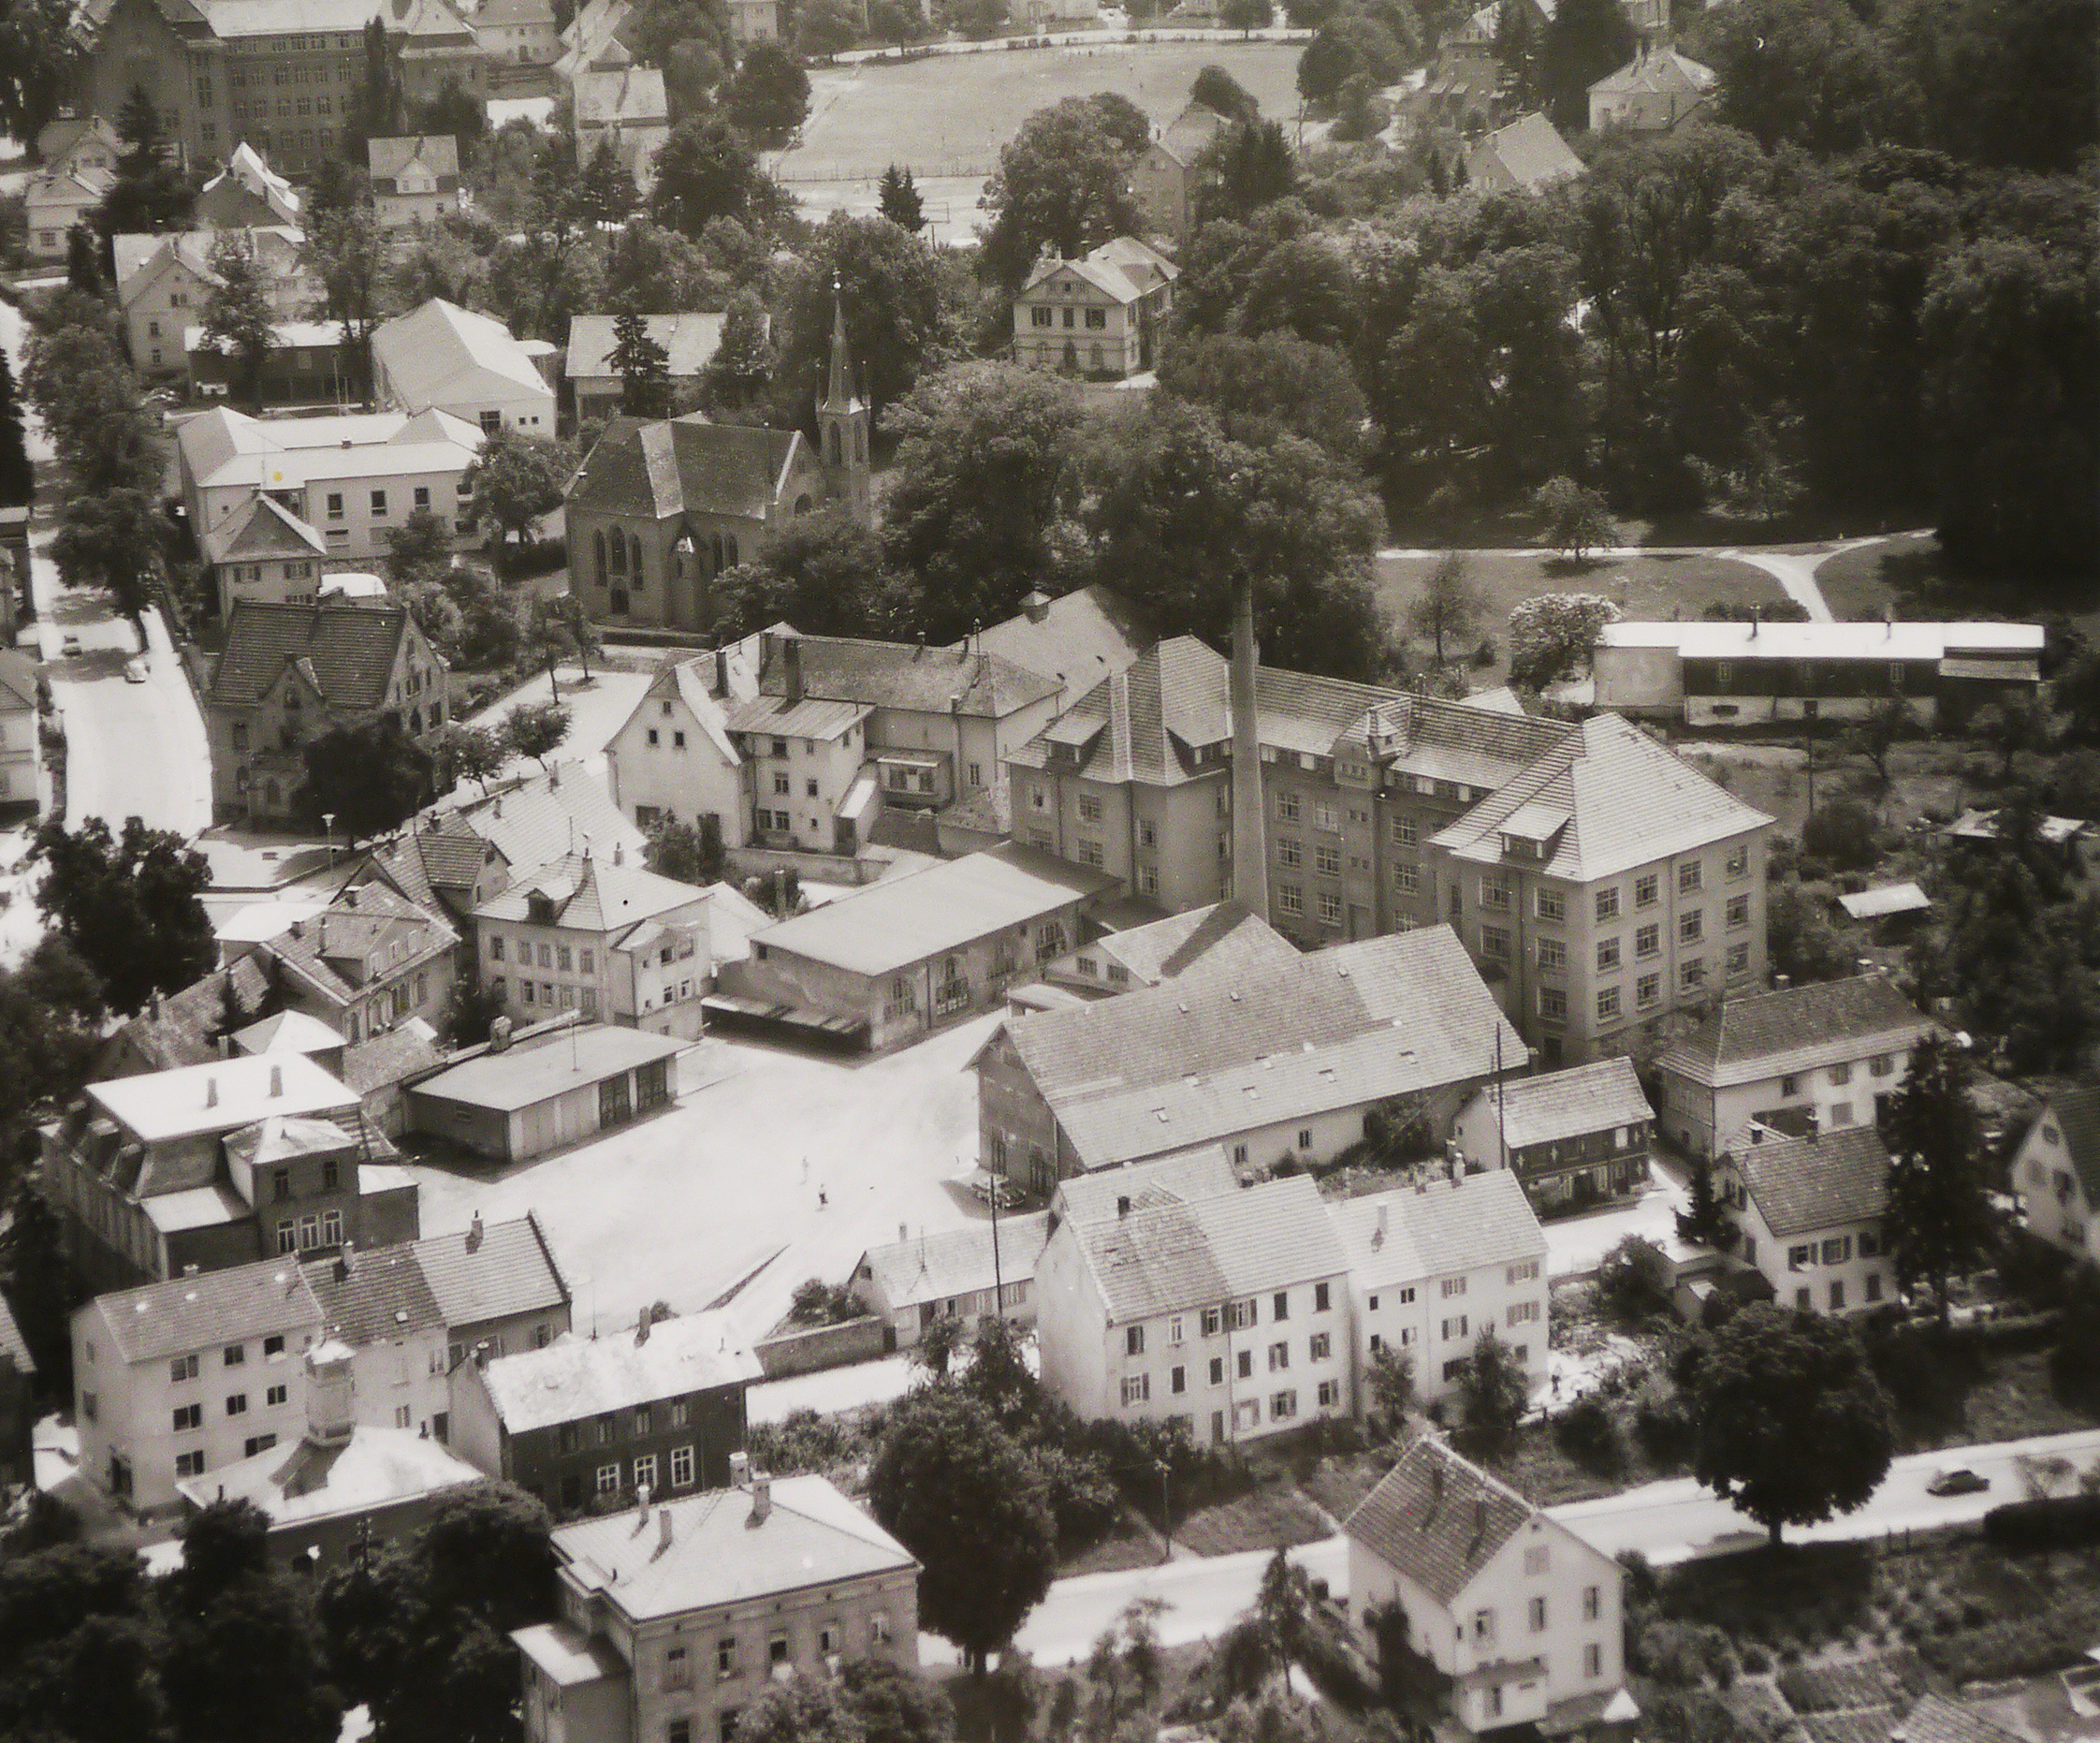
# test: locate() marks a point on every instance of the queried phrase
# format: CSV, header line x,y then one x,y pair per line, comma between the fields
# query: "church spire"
x,y
842,423
839,388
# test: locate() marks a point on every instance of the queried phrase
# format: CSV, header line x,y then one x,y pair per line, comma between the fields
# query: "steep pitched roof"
x,y
348,652
17,680
504,1269
575,1377
183,1029
689,340
442,352
1124,269
1075,640
1807,1183
1529,151
956,1262
389,159
1567,1103
210,1309
540,818
370,1298
2076,1113
624,96
591,895
1658,69
670,467
1204,1173
248,171
1744,1039
1438,1229
1222,938
264,528
368,932
12,1347
904,675
1625,800
1438,1519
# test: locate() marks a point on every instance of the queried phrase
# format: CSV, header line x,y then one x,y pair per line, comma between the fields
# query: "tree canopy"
x,y
369,776
1063,184
1939,1220
128,906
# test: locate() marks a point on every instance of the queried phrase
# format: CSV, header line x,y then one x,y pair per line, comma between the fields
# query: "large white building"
x,y
444,357
1808,1216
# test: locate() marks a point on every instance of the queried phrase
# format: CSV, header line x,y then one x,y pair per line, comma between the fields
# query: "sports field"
x,y
946,116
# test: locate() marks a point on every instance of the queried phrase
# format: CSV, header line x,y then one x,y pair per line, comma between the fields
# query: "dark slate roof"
x,y
1768,1026
368,1298
666,468
18,679
12,1349
181,1032
349,651
1425,1519
363,923
1803,1184
1938,1719
490,1273
2077,1113
906,675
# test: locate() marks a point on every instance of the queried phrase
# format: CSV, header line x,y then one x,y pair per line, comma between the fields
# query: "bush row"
x,y
2057,1522
2023,1648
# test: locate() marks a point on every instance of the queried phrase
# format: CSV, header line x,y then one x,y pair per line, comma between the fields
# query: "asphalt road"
x,y
1666,1521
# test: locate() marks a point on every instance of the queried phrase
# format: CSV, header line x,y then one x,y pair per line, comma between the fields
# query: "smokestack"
x,y
1250,863
473,1233
791,668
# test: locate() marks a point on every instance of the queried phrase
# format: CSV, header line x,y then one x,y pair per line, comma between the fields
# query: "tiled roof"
x,y
899,920
592,895
905,675
1807,1183
689,340
1144,722
1222,938
512,1271
440,352
370,1298
575,1377
1438,1519
1530,150
720,1552
368,934
438,153
12,1349
667,468
2076,1113
1657,69
1074,640
245,169
264,528
813,717
349,651
17,680
210,1309
956,1261
1569,1103
1204,1173
379,1061
436,854
1748,1038
183,1030
1125,269
1439,1229
1629,801
1936,1718
543,817
628,96
1165,1258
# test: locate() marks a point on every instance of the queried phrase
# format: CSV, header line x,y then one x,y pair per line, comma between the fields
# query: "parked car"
x,y
1961,1481
70,647
135,670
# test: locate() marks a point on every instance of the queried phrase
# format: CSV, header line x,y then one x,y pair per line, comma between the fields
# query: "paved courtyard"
x,y
779,1159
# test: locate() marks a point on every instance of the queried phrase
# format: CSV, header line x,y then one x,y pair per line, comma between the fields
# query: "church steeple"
x,y
842,422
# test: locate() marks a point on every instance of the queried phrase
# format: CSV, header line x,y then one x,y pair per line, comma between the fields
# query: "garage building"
x,y
523,1100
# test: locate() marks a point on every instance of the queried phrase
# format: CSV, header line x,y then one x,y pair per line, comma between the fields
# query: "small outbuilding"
x,y
518,1102
952,1275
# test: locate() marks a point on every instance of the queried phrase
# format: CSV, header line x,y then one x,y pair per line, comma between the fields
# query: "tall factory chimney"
x,y
1250,856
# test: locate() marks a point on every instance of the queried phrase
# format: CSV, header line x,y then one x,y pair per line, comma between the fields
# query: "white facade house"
x,y
1436,1265
1452,1565
2056,1172
1168,1291
444,357
1808,1215
675,759
415,178
1831,1049
163,283
914,1281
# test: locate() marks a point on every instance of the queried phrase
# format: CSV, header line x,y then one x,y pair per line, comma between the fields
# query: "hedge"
x,y
2056,1522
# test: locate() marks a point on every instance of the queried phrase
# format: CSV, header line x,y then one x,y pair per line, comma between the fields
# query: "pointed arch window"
x,y
598,550
634,558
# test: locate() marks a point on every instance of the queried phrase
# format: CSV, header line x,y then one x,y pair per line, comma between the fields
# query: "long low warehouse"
x,y
523,1101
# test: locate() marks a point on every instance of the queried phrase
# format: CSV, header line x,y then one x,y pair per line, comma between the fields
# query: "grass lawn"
x,y
1646,587
1269,1518
2011,1399
1130,1546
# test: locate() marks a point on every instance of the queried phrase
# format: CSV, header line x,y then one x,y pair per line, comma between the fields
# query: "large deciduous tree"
x,y
958,1492
128,906
1063,184
1776,1383
1939,1220
769,95
1449,608
824,573
706,171
368,777
238,318
519,477
1276,385
1585,40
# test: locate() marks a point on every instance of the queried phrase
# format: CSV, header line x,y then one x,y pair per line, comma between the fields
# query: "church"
x,y
660,508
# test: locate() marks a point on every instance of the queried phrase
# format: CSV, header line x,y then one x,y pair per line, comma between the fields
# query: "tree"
x,y
149,192
769,95
109,1684
1494,1393
939,1345
238,318
128,906
83,261
370,777
419,551
895,20
1577,520
1585,40
1939,1219
643,366
37,1279
956,1492
899,200
1802,944
894,1705
1348,46
347,256
736,376
518,478
535,729
1248,16
705,171
1243,169
686,852
38,57
1063,184
2010,86
112,540
1774,1383
1704,1221
2010,726
1449,604
1877,735
1391,1383
1553,632
1259,388
824,27
470,1013
1217,90
18,477
605,193
1797,72
798,1710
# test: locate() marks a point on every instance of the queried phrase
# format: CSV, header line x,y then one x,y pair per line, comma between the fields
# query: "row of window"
x,y
189,1417
1290,900
259,109
644,1467
550,993
640,1421
830,1636
550,955
191,1464
1097,319
1835,1250
1137,1388
305,1232
1880,1066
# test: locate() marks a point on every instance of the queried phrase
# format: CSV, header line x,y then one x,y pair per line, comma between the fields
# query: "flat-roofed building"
x,y
907,955
675,1616
558,1089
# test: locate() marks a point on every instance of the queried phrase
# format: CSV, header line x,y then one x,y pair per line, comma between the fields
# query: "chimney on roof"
x,y
1436,1481
1377,1235
210,1091
499,1034
155,1004
276,1081
473,1233
331,1394
903,1233
554,777
347,1261
791,668
762,1499
1479,1519
739,1470
641,1502
662,1528
619,853
722,672
1815,1125
641,1329
190,1269
1122,1204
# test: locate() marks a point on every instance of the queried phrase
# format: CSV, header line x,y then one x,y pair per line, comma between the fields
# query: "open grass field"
x,y
1646,587
947,116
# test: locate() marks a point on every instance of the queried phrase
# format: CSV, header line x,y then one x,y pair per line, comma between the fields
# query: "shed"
x,y
521,1101
1885,901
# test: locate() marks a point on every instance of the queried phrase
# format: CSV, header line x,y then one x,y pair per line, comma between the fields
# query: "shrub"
x,y
1629,1276
2057,1522
2028,1647
1589,1434
1664,1428
1756,1660
1484,654
1843,834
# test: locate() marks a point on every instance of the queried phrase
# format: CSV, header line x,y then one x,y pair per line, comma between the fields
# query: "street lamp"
x,y
1166,1516
328,822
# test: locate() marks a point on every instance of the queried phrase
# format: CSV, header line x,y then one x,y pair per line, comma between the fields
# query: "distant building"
x,y
589,1418
1169,1295
516,33
1520,1616
1651,93
216,1164
1808,1214
1831,1050
1288,1061
1572,1138
1162,180
522,1100
306,365
247,192
20,751
416,179
2056,1172
689,342
443,358
759,20
676,1616
625,107
1102,316
675,759
290,674
368,961
914,1281
907,955
595,37
180,1378
1524,156
1433,1267
1742,674
61,195
341,1488
600,937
